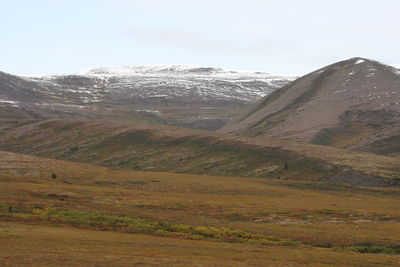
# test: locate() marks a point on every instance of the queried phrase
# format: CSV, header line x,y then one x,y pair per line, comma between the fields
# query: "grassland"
x,y
89,215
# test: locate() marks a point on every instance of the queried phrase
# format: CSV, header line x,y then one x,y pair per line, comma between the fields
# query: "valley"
x,y
96,170
199,133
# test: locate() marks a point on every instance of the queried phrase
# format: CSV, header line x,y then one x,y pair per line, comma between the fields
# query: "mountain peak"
x,y
357,67
359,59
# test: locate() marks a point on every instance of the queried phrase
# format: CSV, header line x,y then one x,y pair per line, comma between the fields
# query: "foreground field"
x,y
61,213
38,245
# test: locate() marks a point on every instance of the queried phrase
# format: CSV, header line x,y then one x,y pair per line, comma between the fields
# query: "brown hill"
x,y
146,147
352,104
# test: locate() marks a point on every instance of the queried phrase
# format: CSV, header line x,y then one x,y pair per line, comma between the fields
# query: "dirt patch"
x,y
358,179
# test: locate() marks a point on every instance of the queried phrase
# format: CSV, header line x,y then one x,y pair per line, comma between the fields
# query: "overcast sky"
x,y
281,37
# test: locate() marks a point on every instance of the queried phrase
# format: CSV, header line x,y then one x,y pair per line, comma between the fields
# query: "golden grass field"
x,y
94,216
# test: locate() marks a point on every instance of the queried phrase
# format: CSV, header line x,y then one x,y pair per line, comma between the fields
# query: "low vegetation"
x,y
209,220
131,224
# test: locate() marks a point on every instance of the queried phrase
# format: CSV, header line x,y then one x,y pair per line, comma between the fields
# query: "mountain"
x,y
14,91
22,98
352,104
190,96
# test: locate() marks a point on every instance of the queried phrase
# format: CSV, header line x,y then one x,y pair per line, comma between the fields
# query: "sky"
x,y
290,37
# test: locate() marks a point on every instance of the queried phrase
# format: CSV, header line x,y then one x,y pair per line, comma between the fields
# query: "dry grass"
x,y
38,245
327,221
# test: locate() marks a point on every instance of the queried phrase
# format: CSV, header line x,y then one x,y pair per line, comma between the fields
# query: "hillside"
x,y
353,104
87,215
146,147
189,96
15,90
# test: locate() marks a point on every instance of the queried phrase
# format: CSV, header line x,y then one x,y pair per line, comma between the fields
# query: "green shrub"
x,y
131,224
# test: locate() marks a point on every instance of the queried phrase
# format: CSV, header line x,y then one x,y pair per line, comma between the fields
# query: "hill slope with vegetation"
x,y
145,147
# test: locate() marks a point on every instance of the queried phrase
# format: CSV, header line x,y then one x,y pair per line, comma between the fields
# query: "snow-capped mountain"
x,y
167,81
200,97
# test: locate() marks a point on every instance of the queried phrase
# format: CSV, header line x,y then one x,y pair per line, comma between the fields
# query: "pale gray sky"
x,y
283,37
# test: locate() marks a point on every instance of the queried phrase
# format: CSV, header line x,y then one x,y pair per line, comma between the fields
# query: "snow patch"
x,y
359,61
396,65
340,91
8,101
148,111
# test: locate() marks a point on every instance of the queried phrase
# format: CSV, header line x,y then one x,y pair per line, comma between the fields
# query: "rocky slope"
x,y
351,104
